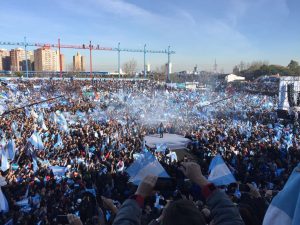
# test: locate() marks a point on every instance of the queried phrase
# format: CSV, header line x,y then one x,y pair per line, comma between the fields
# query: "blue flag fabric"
x,y
285,206
35,165
4,207
59,143
58,170
4,160
144,165
11,148
62,122
219,172
36,141
161,147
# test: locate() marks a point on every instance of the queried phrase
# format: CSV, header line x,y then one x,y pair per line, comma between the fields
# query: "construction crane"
x,y
91,48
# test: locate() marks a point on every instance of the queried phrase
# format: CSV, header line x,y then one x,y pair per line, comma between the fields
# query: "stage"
x,y
173,141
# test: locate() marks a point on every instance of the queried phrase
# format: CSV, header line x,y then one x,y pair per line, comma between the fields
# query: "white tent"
x,y
233,77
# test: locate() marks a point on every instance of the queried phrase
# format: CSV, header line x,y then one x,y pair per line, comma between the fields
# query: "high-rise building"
x,y
16,58
4,59
30,59
62,62
78,63
46,59
82,64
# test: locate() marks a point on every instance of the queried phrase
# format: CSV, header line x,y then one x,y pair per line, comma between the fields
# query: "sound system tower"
x,y
290,95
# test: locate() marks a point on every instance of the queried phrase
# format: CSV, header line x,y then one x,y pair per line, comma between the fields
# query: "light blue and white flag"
x,y
161,147
59,143
35,165
27,112
58,170
53,117
62,122
36,141
285,206
40,142
11,148
219,172
4,160
144,165
23,203
14,126
3,202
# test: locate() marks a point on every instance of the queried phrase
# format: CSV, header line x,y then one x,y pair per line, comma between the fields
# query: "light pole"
x,y
119,58
26,62
168,68
145,61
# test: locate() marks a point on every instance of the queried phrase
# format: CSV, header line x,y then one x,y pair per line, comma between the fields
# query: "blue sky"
x,y
198,30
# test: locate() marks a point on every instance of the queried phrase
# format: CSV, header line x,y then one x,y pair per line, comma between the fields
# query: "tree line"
x,y
256,69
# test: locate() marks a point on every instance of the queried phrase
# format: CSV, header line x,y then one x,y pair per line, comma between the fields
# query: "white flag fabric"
x,y
219,172
4,160
59,143
36,141
285,206
144,165
11,148
3,201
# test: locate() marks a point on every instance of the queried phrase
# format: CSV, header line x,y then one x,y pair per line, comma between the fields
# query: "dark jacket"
x,y
223,211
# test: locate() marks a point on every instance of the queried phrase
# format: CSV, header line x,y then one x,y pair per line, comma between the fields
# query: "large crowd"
x,y
66,145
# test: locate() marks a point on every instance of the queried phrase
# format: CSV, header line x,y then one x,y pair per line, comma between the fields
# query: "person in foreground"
x,y
181,212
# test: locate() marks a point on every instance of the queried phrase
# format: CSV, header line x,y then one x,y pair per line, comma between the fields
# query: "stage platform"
x,y
173,141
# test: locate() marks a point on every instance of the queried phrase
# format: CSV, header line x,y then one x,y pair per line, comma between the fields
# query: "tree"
x,y
294,67
160,73
129,67
242,66
236,70
18,74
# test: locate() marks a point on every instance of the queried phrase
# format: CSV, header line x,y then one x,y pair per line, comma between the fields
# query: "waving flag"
x,y
14,126
53,117
161,147
35,165
62,122
4,160
58,170
144,165
11,148
59,142
33,114
3,202
219,172
36,141
285,206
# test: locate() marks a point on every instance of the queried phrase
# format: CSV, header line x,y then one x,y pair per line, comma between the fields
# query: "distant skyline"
x,y
200,31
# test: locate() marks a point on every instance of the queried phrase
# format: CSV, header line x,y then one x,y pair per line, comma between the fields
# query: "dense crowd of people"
x,y
64,160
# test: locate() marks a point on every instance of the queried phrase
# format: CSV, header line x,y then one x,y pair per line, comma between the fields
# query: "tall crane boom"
x,y
91,48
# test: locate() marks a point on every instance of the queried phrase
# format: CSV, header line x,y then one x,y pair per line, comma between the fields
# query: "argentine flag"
x,y
145,164
58,170
285,206
3,202
4,160
11,148
59,142
36,140
219,174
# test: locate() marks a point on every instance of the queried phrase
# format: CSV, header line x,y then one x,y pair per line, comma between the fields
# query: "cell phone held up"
x,y
62,219
165,184
244,188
